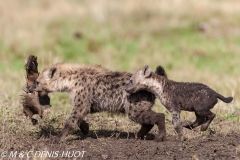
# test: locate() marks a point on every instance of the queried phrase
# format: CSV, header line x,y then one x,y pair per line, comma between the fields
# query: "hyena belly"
x,y
109,94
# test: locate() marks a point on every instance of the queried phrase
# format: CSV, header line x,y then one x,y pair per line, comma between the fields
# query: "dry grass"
x,y
194,40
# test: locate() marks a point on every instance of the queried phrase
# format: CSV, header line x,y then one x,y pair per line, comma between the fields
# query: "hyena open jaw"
x,y
177,96
95,89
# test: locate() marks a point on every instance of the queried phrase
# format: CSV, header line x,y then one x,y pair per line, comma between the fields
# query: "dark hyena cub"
x,y
96,89
177,96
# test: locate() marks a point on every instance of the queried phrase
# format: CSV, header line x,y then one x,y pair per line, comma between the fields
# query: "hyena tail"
x,y
161,71
224,99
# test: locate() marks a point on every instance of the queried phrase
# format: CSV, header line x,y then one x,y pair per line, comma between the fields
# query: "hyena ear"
x,y
52,71
146,71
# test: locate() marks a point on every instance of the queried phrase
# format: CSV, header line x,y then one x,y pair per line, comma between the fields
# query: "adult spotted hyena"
x,y
95,89
177,96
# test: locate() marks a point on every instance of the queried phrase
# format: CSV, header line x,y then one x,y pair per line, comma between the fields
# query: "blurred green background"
x,y
193,40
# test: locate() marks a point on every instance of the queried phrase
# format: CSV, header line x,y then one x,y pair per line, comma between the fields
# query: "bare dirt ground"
x,y
210,147
111,143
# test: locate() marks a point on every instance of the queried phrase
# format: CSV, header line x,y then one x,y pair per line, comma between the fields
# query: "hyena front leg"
x,y
78,113
177,124
69,125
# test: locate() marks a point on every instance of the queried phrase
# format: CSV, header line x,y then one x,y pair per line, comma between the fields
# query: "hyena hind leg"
x,y
160,121
148,118
84,127
199,120
145,128
209,119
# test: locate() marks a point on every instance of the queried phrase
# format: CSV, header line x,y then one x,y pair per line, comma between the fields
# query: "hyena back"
x,y
96,89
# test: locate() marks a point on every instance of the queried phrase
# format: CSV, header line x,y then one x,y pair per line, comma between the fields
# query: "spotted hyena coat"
x,y
96,89
177,96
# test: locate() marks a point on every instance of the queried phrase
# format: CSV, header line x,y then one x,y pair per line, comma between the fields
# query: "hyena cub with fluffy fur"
x,y
177,96
95,89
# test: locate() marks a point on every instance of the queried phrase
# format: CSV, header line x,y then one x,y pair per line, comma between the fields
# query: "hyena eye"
x,y
131,81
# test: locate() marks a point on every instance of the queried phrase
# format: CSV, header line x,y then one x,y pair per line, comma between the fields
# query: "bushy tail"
x,y
224,99
160,71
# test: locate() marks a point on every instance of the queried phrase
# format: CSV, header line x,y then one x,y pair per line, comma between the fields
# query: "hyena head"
x,y
136,82
51,80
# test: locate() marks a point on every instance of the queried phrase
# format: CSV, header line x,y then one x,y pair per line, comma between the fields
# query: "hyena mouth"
x,y
131,90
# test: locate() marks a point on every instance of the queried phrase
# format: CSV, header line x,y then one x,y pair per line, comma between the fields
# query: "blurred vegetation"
x,y
124,37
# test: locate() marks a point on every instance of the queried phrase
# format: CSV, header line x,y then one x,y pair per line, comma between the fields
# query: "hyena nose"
x,y
31,89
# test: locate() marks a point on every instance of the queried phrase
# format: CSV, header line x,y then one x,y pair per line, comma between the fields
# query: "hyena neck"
x,y
64,84
155,84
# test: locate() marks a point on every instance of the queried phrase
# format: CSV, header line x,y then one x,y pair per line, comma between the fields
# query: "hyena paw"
x,y
204,127
84,127
160,138
182,138
140,135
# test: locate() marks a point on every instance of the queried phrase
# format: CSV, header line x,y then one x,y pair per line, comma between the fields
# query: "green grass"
x,y
100,43
183,44
129,49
